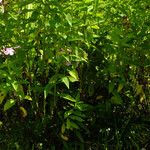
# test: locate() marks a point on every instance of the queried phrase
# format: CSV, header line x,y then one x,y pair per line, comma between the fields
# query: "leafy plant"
x,y
74,74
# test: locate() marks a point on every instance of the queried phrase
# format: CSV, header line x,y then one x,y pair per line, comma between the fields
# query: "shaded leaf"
x,y
111,87
69,19
71,125
64,137
2,96
23,111
63,127
120,87
116,99
77,118
82,106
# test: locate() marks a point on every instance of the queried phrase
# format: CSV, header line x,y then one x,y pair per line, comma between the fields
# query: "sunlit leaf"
x,y
10,103
72,79
95,27
27,97
68,97
74,74
15,85
65,80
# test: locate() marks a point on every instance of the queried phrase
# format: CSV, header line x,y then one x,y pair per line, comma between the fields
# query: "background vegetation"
x,y
74,74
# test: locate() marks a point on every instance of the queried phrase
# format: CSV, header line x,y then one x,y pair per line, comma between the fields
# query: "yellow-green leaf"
x,y
9,104
27,97
65,80
68,97
1,124
63,127
74,74
72,79
23,111
139,89
120,87
64,137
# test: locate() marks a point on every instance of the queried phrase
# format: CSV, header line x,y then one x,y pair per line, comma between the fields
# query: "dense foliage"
x,y
74,74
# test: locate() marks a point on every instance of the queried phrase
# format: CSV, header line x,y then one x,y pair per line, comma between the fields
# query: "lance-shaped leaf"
x,y
68,97
2,96
10,103
65,80
69,19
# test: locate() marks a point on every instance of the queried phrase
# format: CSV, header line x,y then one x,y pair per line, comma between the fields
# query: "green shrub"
x,y
74,74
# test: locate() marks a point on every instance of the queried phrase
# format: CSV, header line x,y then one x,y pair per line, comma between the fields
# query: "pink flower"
x,y
8,51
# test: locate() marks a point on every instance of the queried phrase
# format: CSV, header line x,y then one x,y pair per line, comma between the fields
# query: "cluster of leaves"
x,y
76,75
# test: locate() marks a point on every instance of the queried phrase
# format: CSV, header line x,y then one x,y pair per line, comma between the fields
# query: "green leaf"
x,y
27,97
77,58
18,88
79,136
115,35
73,117
65,80
139,89
71,125
95,27
1,124
116,99
91,90
69,19
82,107
72,79
68,113
120,87
88,1
68,97
23,111
74,74
63,128
2,96
79,113
47,89
15,85
111,87
9,104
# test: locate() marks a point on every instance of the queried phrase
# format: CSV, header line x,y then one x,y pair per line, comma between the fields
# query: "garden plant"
x,y
74,74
